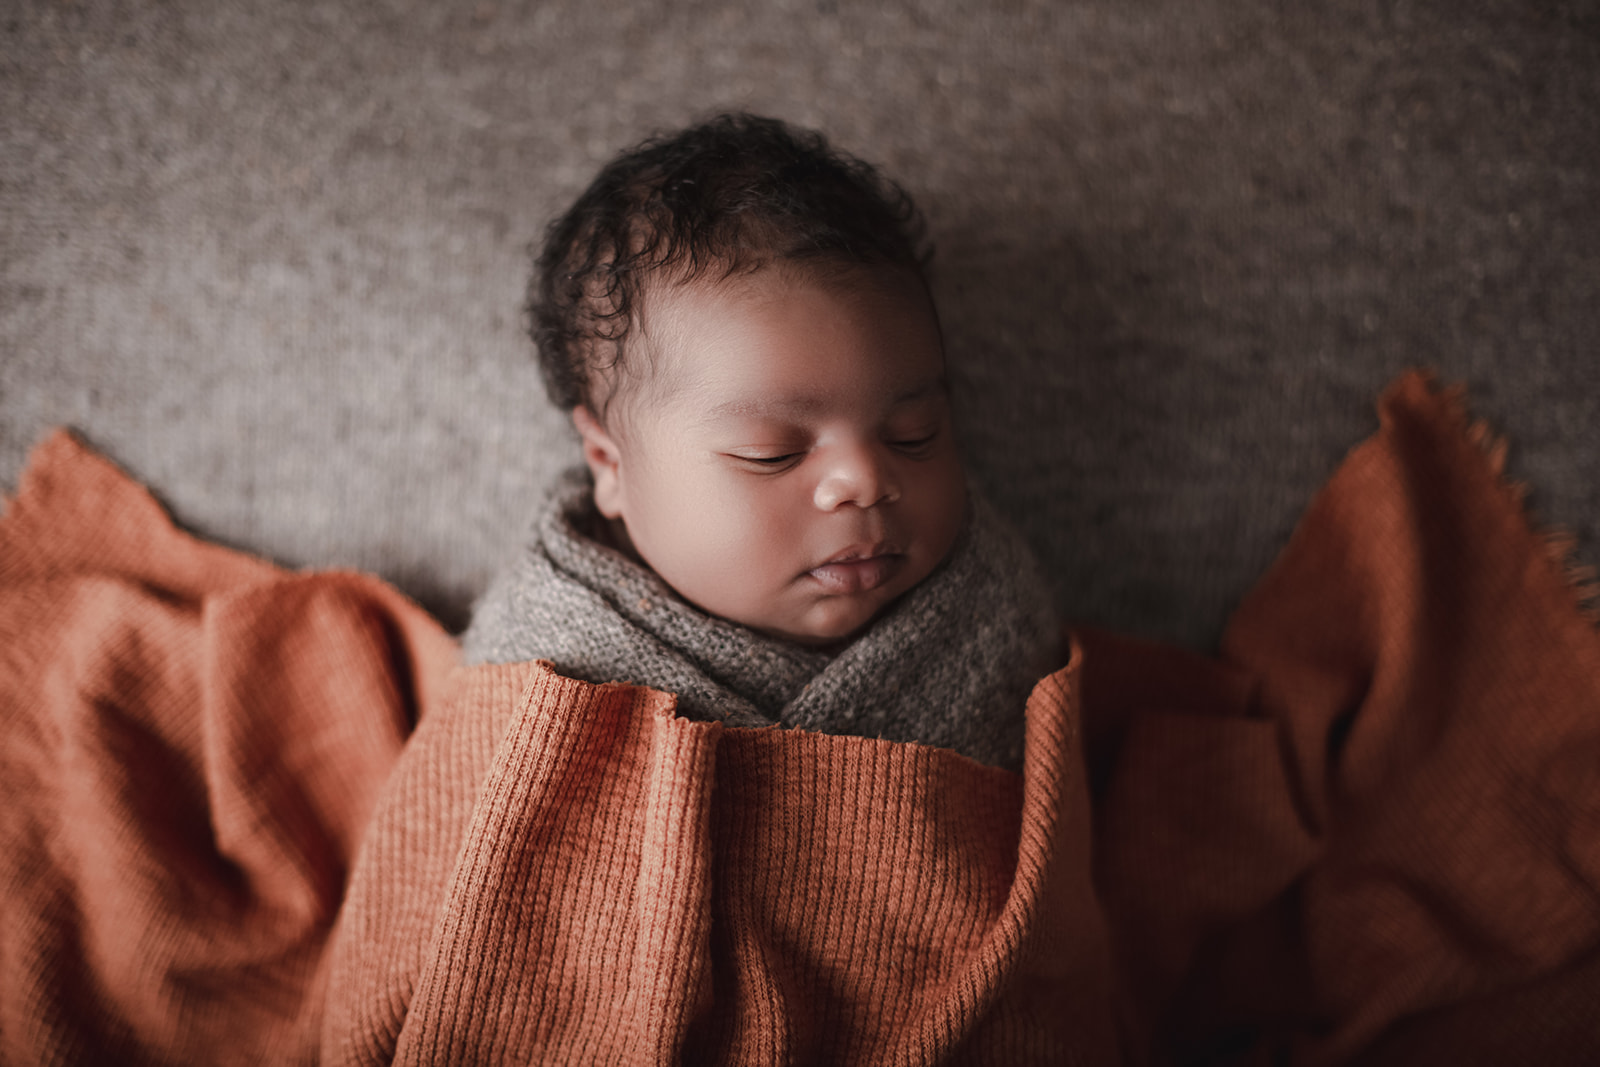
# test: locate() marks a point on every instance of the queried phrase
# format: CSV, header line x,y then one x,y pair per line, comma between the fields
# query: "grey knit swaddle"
x,y
949,664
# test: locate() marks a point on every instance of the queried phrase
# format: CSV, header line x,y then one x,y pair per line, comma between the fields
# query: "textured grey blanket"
x,y
950,664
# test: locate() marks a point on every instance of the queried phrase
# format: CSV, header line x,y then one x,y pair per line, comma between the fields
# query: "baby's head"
x,y
737,319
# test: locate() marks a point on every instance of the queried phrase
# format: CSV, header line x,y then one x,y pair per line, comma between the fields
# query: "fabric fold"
x,y
1380,803
191,745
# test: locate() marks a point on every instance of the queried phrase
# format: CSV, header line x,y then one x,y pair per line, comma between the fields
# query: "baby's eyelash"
x,y
767,462
912,444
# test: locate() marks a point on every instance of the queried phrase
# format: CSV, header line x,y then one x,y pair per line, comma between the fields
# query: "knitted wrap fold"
x,y
949,664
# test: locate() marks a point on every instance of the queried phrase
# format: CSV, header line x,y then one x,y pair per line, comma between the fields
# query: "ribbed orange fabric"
x,y
1372,831
1369,831
191,743
623,886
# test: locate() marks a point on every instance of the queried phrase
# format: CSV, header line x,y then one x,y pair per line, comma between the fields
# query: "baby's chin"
x,y
826,624
802,615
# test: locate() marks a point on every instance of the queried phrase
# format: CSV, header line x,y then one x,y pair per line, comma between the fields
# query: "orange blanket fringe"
x,y
256,816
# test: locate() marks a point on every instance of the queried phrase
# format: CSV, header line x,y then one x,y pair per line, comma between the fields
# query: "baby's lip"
x,y
858,569
865,550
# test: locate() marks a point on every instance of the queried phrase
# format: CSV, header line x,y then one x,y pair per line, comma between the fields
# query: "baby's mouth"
x,y
858,569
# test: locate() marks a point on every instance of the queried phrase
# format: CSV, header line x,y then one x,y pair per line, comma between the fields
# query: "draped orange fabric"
x,y
615,885
255,816
191,745
1371,831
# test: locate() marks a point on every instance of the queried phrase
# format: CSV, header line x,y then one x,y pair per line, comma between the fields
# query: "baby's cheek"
x,y
763,517
939,498
739,545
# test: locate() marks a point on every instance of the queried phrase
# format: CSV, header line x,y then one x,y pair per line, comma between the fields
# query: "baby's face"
x,y
786,459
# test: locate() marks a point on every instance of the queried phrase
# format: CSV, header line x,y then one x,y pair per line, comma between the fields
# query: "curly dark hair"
x,y
727,196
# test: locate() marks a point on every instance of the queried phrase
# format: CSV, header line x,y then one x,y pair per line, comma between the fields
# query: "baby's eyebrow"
x,y
765,408
931,387
798,406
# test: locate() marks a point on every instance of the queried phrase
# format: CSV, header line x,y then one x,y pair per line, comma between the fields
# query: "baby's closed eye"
x,y
914,444
766,460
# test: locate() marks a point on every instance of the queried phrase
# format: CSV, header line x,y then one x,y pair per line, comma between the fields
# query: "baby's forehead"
x,y
781,332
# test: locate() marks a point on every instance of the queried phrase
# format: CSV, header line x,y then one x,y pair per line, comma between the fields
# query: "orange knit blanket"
x,y
254,816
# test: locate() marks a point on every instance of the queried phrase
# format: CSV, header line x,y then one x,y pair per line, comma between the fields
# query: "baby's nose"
x,y
858,476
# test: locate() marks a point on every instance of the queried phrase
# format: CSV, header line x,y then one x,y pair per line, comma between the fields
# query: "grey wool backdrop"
x,y
271,257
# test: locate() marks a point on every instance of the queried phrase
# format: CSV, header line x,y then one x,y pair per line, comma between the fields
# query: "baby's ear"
x,y
605,462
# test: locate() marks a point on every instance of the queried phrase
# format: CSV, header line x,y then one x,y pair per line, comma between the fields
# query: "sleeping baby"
x,y
772,521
